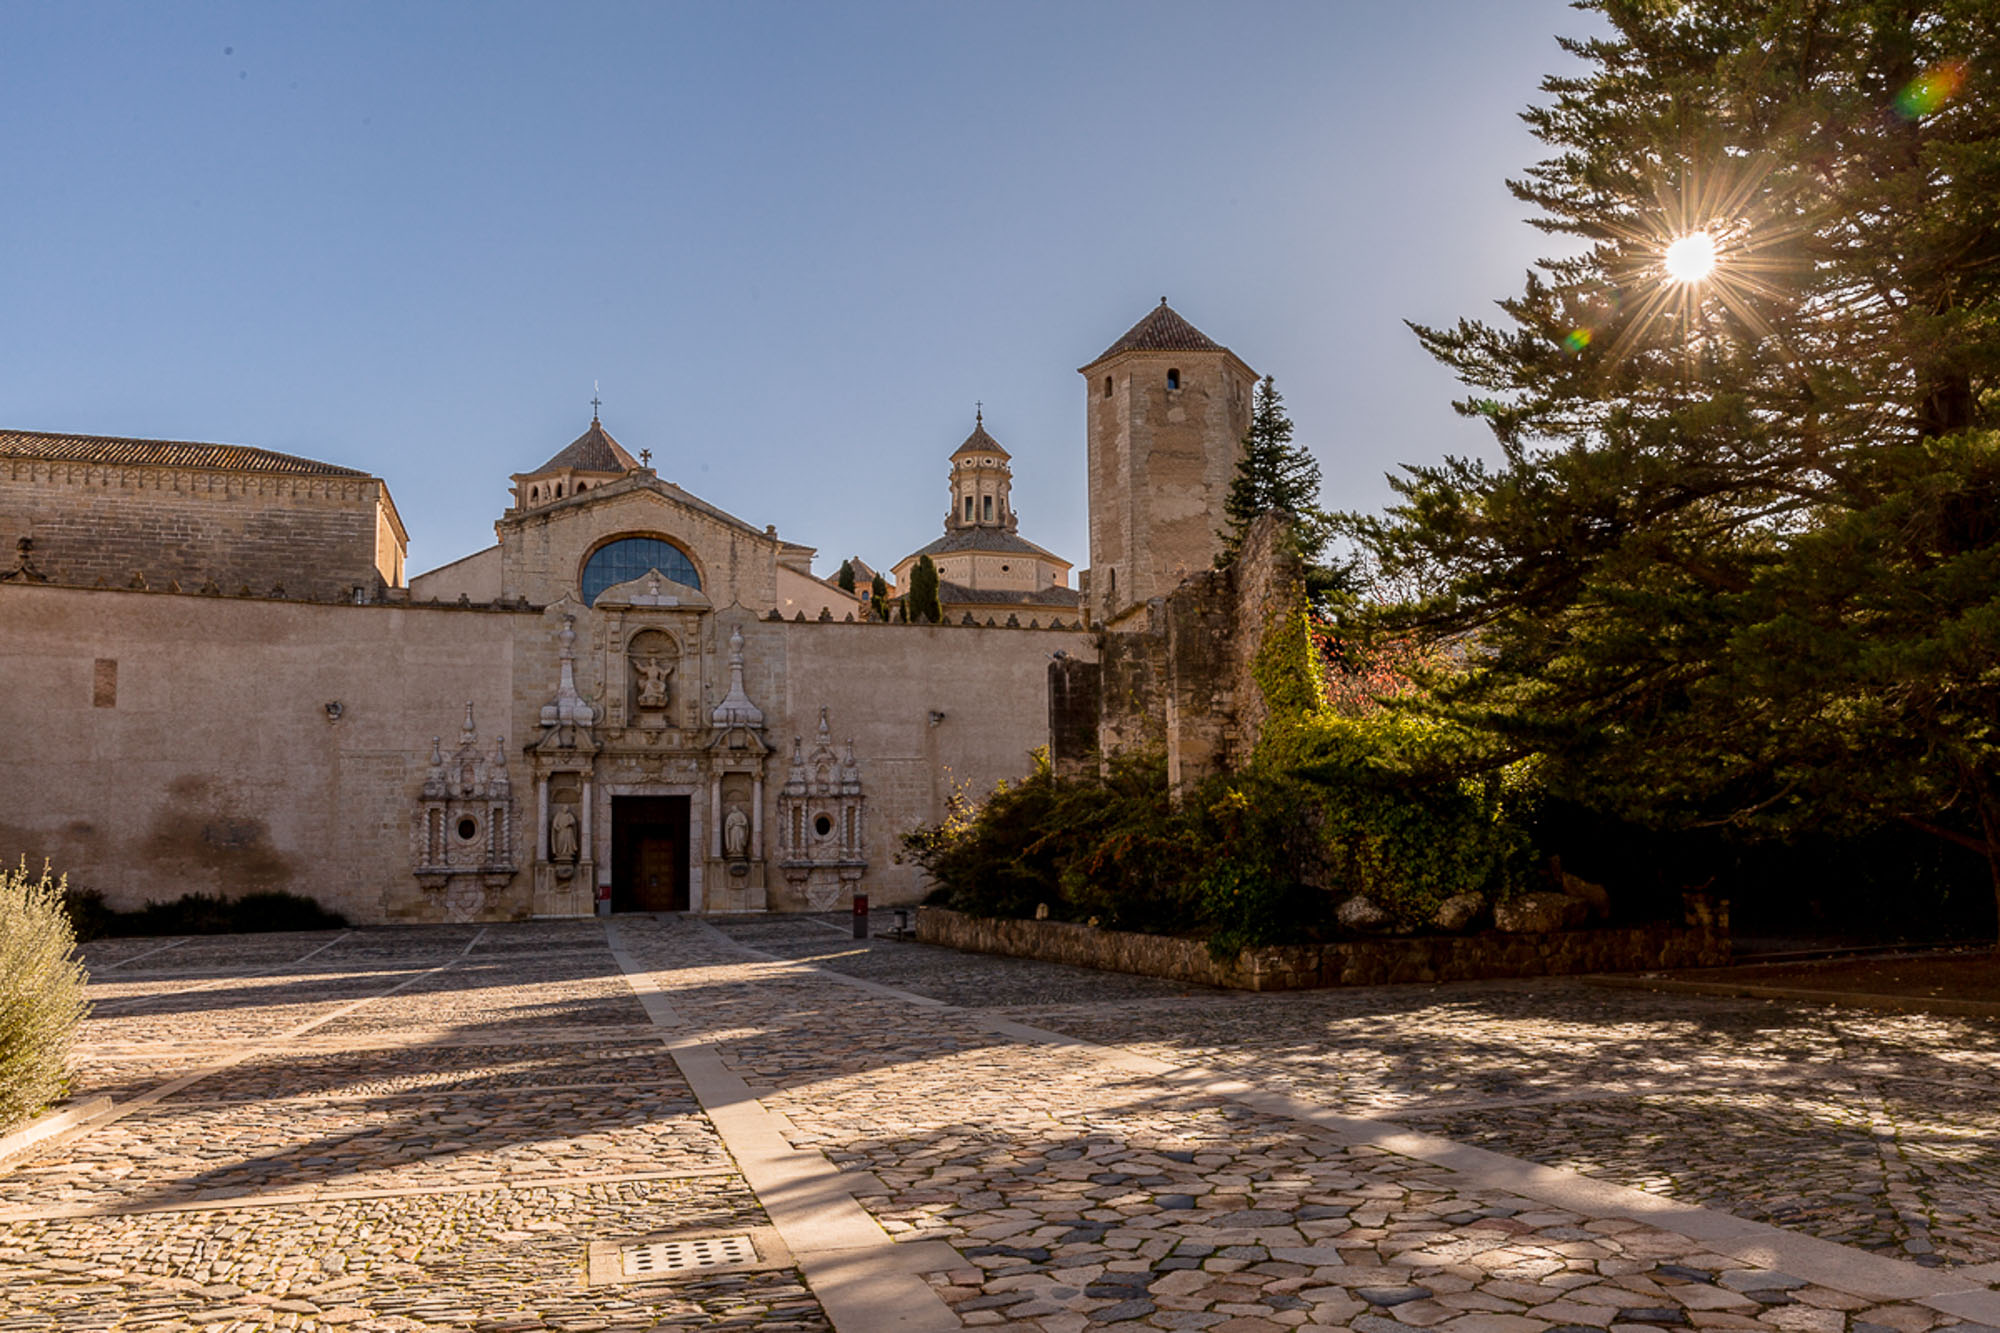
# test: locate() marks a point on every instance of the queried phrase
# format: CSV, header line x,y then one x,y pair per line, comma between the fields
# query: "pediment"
x,y
653,589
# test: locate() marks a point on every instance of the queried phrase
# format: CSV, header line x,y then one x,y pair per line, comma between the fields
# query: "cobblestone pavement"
x,y
1880,1131
424,1129
410,1129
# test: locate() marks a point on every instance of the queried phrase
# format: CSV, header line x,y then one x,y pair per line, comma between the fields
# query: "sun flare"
x,y
1691,258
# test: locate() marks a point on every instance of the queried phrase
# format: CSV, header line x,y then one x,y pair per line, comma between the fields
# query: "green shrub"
x,y
1113,851
199,914
41,993
1392,818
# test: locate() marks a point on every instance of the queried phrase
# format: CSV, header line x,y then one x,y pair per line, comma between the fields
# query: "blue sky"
x,y
793,243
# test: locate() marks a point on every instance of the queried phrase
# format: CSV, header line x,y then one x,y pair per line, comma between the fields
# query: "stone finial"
x,y
736,710
467,732
568,708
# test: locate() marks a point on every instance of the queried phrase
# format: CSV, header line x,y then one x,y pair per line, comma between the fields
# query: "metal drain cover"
x,y
663,1258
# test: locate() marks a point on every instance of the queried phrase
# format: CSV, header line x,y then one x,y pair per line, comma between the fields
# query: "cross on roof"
x,y
595,403
646,456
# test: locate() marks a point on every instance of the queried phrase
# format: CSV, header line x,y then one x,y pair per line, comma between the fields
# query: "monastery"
x,y
219,679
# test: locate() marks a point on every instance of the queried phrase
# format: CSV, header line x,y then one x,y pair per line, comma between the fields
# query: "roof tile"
x,y
1162,330
118,450
592,451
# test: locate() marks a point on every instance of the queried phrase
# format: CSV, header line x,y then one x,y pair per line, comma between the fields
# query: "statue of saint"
x,y
653,675
562,834
736,834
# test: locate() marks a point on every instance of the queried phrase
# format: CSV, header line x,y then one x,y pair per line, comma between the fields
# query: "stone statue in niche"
x,y
562,835
652,672
736,834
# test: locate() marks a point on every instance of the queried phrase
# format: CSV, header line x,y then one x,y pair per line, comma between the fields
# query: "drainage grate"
x,y
678,1256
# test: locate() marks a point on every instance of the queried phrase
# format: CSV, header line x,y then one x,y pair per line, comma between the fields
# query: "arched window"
x,y
628,558
1173,379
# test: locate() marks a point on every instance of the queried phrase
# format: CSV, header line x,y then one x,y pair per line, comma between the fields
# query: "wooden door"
x,y
649,853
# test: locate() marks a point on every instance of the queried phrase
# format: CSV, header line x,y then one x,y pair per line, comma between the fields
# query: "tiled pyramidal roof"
x,y
1162,330
592,451
979,442
117,450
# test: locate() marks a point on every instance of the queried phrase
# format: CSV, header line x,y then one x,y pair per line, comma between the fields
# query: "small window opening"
x,y
558,490
1003,569
822,825
1114,583
467,830
968,506
1173,379
989,506
1107,386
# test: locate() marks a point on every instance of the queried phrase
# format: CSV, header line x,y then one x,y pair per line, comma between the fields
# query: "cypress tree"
x,y
922,602
1273,473
845,578
878,597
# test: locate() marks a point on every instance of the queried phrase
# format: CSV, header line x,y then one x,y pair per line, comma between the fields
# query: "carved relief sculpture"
x,y
820,822
463,832
652,673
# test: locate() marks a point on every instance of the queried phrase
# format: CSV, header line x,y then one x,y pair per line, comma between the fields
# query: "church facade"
x,y
219,681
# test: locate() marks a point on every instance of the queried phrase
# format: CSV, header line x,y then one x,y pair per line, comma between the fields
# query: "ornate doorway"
x,y
649,853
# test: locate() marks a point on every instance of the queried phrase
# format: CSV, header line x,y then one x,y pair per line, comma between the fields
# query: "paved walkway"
x,y
480,1128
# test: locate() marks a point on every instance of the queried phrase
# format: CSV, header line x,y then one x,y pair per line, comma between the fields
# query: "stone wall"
x,y
96,525
1432,959
171,744
1185,679
162,745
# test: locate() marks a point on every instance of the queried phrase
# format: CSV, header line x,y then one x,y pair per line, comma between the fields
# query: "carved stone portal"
x,y
463,834
821,828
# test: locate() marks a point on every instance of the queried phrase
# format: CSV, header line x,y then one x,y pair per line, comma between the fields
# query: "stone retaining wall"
x,y
1430,958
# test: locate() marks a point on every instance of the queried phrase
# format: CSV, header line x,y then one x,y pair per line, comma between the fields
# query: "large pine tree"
x,y
1739,558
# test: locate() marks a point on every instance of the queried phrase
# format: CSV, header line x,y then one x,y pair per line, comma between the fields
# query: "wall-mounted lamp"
x,y
334,709
936,717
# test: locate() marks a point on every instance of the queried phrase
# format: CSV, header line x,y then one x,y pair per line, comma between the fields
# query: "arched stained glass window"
x,y
628,558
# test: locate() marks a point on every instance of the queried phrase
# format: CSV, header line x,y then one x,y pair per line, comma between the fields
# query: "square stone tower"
x,y
1168,409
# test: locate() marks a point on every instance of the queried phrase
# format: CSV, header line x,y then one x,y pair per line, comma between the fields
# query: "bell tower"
x,y
1167,409
981,482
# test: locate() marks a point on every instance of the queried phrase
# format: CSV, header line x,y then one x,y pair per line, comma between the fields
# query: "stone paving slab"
x,y
422,1070
509,995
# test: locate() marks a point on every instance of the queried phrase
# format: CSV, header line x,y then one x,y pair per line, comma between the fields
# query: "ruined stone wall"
x,y
162,744
1185,678
97,525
